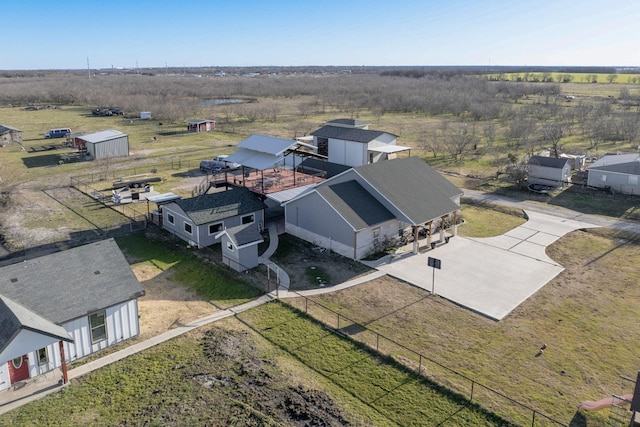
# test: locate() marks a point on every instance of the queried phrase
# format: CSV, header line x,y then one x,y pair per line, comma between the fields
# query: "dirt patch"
x,y
241,375
165,304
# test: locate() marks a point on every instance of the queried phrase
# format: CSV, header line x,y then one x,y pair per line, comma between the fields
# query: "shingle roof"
x,y
217,206
549,162
355,204
14,317
348,134
243,234
70,284
413,187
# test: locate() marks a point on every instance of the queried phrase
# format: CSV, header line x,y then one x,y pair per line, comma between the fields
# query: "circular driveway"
x,y
491,276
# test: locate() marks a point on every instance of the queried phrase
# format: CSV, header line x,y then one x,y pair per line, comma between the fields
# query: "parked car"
x,y
221,162
209,166
57,133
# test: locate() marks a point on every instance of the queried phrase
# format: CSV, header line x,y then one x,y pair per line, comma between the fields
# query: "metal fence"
x,y
476,392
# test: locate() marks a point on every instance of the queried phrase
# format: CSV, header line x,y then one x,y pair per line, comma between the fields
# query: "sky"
x,y
77,34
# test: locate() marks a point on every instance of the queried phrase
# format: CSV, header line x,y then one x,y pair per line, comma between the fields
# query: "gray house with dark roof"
x,y
198,220
64,306
355,212
548,171
352,143
619,173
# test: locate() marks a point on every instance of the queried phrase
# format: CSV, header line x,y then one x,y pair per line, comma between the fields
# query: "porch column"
x,y
65,376
455,223
416,244
442,228
429,230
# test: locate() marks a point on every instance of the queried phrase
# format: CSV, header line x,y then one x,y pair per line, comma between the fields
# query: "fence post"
x,y
377,341
420,365
533,418
338,321
306,303
471,397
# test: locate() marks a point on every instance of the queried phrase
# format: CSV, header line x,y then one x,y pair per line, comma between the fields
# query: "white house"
x,y
62,307
351,143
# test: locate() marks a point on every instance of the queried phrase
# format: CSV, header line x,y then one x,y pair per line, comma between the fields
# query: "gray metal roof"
x,y
355,204
317,165
70,284
267,144
413,187
348,134
6,129
105,135
549,162
348,122
621,163
218,206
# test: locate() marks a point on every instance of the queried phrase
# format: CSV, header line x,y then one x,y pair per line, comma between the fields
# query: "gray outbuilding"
x,y
616,172
105,144
240,246
548,171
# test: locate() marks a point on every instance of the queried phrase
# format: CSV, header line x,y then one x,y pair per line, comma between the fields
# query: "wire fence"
x,y
476,392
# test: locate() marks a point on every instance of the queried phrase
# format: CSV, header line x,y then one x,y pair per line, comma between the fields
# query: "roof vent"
x,y
96,272
14,280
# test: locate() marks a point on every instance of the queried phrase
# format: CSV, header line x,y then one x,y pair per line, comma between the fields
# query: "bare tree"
x,y
551,135
612,78
461,141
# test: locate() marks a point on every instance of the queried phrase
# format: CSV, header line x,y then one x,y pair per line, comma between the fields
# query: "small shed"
x,y
240,246
10,135
201,125
145,115
105,144
548,171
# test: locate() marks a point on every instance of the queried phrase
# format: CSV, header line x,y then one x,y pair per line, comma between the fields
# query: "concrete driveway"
x,y
491,276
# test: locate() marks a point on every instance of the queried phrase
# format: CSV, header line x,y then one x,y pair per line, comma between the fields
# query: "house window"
x,y
171,219
376,236
187,228
17,362
633,179
604,178
98,327
215,228
230,246
248,219
43,358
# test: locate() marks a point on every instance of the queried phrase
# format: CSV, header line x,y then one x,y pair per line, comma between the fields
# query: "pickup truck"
x,y
218,163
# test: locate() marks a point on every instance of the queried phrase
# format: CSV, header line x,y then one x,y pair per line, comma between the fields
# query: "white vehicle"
x,y
221,161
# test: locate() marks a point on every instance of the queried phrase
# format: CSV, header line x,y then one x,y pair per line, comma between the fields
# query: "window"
x,y
98,327
187,228
247,219
633,179
376,236
230,246
17,362
171,219
43,359
215,228
604,178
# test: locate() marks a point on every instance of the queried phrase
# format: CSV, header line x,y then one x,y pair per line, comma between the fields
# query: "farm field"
x,y
586,315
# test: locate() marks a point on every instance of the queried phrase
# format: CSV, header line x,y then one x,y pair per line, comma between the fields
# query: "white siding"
x,y
4,377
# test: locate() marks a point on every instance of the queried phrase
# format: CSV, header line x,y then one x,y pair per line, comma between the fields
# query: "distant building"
x,y
201,125
619,173
10,135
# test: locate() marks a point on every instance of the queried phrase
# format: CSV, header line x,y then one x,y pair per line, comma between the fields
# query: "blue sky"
x,y
46,34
